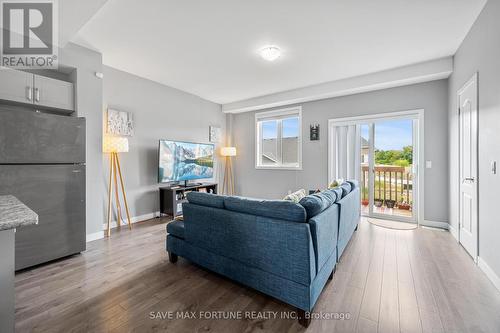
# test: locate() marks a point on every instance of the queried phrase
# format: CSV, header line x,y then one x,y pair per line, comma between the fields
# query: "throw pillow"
x,y
296,196
346,188
338,193
336,183
318,202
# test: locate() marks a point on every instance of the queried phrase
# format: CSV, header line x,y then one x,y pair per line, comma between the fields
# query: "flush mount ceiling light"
x,y
270,53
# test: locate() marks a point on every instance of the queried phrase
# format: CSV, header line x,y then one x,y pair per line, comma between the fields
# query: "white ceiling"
x,y
209,48
73,14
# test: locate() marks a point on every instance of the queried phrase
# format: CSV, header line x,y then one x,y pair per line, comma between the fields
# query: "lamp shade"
x,y
228,151
115,144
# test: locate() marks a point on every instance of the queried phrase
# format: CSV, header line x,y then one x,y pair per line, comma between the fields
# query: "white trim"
x,y
490,273
281,168
418,114
135,219
297,110
410,114
436,224
95,236
453,232
412,74
278,113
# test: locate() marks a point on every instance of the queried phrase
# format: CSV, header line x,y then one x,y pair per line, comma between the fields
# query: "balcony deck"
x,y
393,185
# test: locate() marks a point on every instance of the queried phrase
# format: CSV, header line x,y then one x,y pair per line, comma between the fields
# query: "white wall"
x,y
431,96
480,52
89,105
160,112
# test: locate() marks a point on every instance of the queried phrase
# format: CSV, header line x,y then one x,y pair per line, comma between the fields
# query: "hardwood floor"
x,y
387,281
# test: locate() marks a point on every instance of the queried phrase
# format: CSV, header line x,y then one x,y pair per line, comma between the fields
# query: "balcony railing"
x,y
393,185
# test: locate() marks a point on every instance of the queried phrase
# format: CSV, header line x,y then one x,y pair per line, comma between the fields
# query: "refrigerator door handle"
x,y
37,95
29,93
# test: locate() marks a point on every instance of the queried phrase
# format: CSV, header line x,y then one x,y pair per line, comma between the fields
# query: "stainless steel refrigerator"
x,y
42,163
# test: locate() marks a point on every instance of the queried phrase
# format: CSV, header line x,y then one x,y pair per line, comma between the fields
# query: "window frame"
x,y
278,115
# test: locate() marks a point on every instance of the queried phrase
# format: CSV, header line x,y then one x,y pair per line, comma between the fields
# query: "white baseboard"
x,y
435,224
134,219
494,278
95,236
453,232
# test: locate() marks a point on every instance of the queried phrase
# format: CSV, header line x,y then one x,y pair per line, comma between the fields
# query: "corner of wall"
x,y
494,278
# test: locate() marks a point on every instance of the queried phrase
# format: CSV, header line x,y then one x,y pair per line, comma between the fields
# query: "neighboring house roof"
x,y
270,158
364,143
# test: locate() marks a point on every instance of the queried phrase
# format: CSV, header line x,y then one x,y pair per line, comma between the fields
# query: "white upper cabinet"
x,y
28,88
53,93
16,86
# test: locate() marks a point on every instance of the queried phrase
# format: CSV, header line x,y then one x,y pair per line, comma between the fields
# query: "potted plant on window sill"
x,y
390,203
404,206
378,202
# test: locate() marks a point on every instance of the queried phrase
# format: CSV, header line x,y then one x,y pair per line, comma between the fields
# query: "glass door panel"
x,y
393,174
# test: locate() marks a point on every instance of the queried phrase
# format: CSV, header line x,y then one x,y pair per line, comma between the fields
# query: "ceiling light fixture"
x,y
270,53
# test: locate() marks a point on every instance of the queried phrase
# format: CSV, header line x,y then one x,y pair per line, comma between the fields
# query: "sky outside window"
x,y
391,134
270,129
290,128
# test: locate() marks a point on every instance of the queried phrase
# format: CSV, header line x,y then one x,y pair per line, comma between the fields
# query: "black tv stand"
x,y
188,184
172,197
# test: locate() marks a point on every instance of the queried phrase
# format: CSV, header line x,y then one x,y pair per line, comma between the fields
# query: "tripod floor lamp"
x,y
113,146
228,183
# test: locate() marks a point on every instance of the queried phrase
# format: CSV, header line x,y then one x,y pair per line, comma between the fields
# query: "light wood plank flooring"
x,y
387,281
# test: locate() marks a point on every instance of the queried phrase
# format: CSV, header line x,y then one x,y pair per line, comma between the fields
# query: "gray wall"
x,y
89,105
480,52
431,96
160,112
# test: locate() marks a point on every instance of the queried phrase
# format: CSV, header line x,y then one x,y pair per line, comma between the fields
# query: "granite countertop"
x,y
14,214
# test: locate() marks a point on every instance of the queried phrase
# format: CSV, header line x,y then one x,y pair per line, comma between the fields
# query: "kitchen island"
x,y
13,214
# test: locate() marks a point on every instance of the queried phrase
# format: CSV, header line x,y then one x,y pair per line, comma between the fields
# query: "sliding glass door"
x,y
388,171
384,153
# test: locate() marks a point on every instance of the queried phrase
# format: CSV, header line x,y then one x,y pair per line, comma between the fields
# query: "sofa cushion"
x,y
354,184
346,189
176,228
318,202
338,193
278,209
330,197
296,196
206,199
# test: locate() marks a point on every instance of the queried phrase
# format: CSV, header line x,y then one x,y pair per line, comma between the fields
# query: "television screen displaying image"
x,y
182,161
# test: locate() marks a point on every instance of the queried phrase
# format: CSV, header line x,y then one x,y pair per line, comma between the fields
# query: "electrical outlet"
x,y
428,164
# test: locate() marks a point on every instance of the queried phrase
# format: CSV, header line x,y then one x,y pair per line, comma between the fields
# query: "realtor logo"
x,y
29,32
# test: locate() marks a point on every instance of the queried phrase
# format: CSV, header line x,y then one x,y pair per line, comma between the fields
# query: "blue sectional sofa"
x,y
284,249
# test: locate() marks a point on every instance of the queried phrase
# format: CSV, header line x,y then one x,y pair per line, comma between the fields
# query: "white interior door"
x,y
468,214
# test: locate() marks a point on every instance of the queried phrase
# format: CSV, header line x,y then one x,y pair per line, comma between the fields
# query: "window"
x,y
279,139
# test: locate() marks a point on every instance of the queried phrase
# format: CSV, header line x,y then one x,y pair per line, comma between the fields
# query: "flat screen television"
x,y
183,161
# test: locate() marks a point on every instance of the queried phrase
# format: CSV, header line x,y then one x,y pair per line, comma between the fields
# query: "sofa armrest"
x,y
349,215
324,230
276,246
